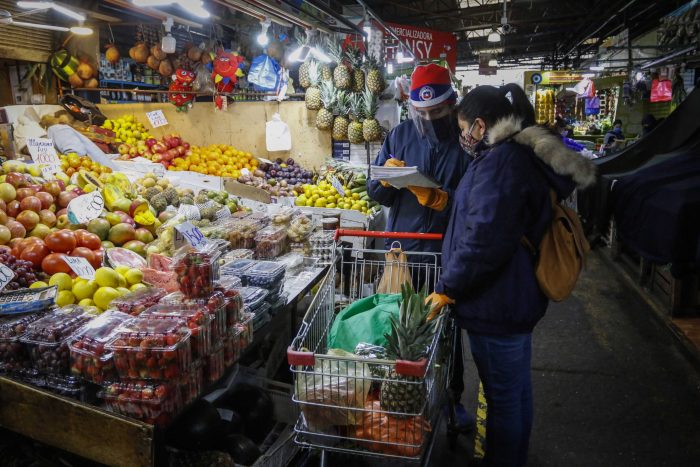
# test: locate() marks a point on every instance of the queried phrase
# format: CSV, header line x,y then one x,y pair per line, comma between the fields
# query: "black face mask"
x,y
443,127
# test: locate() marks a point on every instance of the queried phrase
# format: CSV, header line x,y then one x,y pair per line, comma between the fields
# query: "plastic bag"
x,y
277,135
203,82
264,74
400,436
396,271
337,385
366,320
661,90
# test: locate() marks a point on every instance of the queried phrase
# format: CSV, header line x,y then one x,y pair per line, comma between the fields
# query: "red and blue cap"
x,y
431,85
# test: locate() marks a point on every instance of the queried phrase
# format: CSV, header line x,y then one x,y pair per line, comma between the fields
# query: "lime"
x,y
104,296
84,290
61,280
134,276
38,284
65,297
86,302
107,277
122,269
136,287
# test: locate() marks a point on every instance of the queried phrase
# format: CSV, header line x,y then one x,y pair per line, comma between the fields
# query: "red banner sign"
x,y
428,44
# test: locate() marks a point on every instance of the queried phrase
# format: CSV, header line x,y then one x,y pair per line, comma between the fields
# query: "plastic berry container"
x,y
151,349
253,297
192,384
237,268
240,253
90,359
300,229
234,307
264,274
195,317
13,355
244,331
214,365
262,316
215,304
46,340
232,350
136,302
153,403
270,242
66,386
241,234
196,272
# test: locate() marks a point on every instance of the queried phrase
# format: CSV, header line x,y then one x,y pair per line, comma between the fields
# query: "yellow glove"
x,y
438,302
432,198
391,162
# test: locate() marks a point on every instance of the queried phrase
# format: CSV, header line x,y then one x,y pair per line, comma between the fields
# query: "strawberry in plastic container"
x,y
195,317
154,403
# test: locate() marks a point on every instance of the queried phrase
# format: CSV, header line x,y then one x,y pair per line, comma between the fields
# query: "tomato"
x,y
23,243
88,240
54,263
61,241
35,253
99,256
86,253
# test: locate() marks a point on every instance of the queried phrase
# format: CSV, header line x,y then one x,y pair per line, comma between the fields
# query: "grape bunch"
x,y
25,275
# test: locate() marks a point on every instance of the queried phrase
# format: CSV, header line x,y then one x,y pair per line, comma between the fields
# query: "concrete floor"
x,y
611,387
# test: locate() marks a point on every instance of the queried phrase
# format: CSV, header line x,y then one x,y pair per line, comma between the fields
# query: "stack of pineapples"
x,y
346,97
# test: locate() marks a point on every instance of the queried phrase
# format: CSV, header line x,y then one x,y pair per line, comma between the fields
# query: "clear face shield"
x,y
435,123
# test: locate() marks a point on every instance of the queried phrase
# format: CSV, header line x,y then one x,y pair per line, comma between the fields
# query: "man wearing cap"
x,y
429,141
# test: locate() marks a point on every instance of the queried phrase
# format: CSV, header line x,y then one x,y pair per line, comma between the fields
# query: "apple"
x,y
123,149
13,208
133,152
62,221
24,192
159,148
157,158
46,199
181,150
150,142
17,180
186,145
142,150
62,212
30,203
47,217
66,197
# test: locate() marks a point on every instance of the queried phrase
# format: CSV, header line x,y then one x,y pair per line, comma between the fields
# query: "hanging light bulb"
x,y
262,37
390,68
494,36
493,62
168,43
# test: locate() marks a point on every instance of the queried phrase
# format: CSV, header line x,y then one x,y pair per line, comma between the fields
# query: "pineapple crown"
x,y
342,103
370,104
357,109
335,50
412,333
354,56
372,63
328,94
314,73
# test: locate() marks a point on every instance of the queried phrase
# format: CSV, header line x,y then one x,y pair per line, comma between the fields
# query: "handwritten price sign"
x,y
338,186
85,208
42,151
80,266
157,118
48,172
6,276
192,235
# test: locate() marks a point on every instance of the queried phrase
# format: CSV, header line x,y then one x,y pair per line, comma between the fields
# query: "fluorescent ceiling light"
x,y
493,62
52,6
39,26
597,68
81,30
494,37
588,75
196,7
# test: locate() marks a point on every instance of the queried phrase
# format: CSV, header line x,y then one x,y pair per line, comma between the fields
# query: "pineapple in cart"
x,y
341,122
341,73
357,115
313,93
371,129
410,340
324,117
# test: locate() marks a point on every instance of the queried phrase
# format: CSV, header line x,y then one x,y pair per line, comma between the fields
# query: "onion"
x,y
85,70
157,52
165,68
152,63
112,53
75,81
140,53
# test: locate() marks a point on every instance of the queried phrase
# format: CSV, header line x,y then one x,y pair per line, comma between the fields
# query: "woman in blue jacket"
x,y
487,271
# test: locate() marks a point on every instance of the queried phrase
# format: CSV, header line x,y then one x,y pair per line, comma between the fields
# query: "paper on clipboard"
x,y
402,177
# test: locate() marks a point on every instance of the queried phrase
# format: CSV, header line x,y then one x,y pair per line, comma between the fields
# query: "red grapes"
x,y
25,275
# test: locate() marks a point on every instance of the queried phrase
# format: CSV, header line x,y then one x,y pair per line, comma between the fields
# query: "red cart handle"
x,y
392,235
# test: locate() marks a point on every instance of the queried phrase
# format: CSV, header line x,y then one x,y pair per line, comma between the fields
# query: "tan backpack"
x,y
562,252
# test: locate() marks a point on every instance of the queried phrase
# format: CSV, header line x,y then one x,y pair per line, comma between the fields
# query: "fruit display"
x,y
73,163
151,349
46,340
270,242
89,357
127,129
325,195
13,356
134,303
283,174
196,318
154,403
164,151
216,159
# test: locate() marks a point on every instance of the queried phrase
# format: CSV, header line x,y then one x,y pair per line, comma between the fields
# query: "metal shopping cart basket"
x,y
339,394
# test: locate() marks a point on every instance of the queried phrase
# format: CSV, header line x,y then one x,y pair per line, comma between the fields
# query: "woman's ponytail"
x,y
522,108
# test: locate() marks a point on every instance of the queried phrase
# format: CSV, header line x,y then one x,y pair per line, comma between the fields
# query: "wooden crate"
x,y
681,294
75,427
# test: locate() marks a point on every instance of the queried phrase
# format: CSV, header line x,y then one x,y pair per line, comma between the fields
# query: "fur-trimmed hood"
x,y
548,147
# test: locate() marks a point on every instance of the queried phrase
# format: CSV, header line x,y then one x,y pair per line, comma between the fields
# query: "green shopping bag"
x,y
366,320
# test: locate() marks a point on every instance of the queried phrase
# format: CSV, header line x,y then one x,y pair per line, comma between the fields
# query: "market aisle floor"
x,y
611,387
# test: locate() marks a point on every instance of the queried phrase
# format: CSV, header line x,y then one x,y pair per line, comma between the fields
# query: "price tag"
x,y
157,118
80,266
222,213
338,186
192,235
265,161
288,201
48,172
42,151
245,172
190,211
85,208
6,276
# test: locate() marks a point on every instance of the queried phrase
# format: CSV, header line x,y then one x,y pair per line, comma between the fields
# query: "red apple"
x,y
186,145
159,148
52,188
29,219
157,158
13,208
17,180
46,199
181,150
66,197
23,193
30,203
123,148
47,217
62,212
150,142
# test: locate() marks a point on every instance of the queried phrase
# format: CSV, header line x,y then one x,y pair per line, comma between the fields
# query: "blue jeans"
x,y
503,363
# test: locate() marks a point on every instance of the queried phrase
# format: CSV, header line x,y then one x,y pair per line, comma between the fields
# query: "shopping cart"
x,y
339,394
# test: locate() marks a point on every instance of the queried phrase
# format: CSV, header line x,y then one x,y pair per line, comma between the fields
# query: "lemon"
x,y
104,296
107,277
38,284
122,281
136,287
65,297
86,302
84,289
122,269
61,280
134,276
